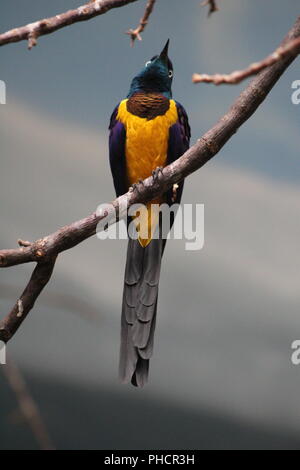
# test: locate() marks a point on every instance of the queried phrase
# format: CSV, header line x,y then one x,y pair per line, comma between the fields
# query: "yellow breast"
x,y
146,141
146,149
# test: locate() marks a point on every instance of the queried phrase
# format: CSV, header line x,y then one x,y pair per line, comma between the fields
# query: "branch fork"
x,y
292,47
136,33
33,31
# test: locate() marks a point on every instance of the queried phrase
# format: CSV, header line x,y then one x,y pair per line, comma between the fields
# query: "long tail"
x,y
139,310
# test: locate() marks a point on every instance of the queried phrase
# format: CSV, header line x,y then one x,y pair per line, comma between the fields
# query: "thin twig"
x,y
293,47
44,251
212,6
136,33
33,31
27,406
40,277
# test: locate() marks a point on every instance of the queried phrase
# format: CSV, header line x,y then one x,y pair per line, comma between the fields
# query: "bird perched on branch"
x,y
148,131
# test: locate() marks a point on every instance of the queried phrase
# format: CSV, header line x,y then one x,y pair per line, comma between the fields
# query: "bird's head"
x,y
156,76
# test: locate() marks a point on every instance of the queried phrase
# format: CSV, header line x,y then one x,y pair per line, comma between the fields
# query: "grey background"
x,y
221,376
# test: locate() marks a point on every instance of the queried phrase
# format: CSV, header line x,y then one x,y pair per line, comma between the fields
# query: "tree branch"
x,y
33,31
45,251
40,277
212,6
136,33
292,47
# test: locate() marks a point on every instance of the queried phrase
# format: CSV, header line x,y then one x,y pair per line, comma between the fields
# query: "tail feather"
x,y
128,353
147,352
139,310
145,312
140,376
141,333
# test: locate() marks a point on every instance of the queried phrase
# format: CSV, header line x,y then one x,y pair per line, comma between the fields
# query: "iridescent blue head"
x,y
156,76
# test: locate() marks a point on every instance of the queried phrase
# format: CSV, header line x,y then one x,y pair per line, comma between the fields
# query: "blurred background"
x,y
221,376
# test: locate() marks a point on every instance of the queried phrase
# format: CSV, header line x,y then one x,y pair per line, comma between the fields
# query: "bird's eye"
x,y
147,63
170,73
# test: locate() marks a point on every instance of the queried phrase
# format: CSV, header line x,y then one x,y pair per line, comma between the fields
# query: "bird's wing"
x,y
117,158
179,142
180,134
183,121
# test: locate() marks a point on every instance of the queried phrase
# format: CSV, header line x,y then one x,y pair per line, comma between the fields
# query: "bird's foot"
x,y
156,172
136,186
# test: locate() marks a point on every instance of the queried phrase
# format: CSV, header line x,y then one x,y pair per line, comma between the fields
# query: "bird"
x,y
148,130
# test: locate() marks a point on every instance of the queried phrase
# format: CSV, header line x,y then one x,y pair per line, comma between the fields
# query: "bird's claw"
x,y
135,186
156,172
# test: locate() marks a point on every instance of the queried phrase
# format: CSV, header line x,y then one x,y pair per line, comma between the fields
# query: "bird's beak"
x,y
164,53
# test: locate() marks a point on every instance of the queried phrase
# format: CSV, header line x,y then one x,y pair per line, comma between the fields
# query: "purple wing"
x,y
179,142
117,158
